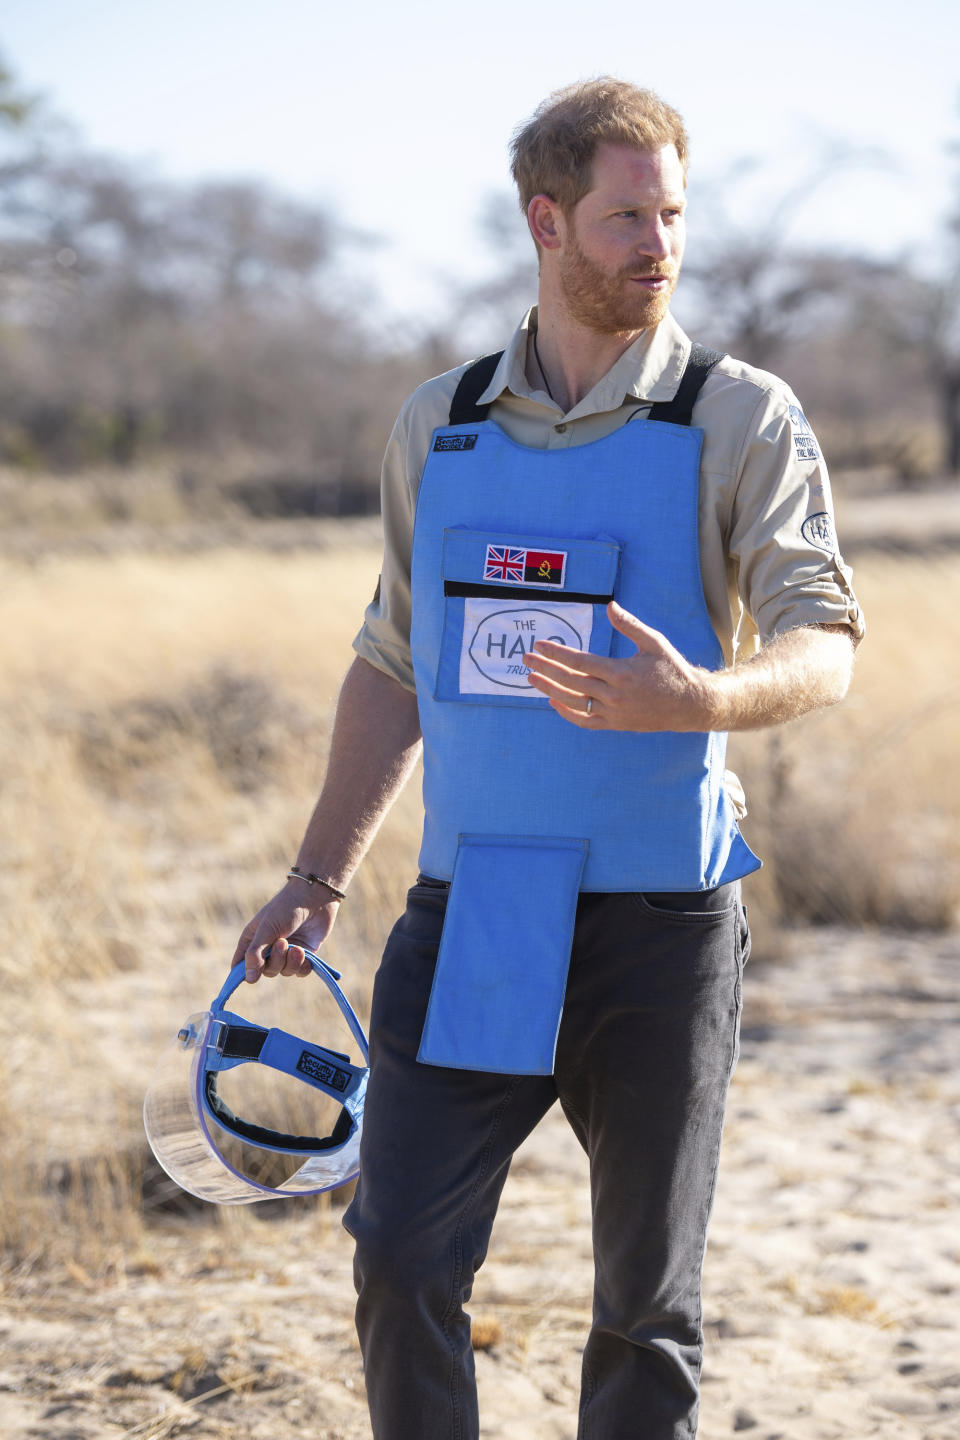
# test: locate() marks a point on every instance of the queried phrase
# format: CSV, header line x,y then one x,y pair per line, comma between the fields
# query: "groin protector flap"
x,y
501,970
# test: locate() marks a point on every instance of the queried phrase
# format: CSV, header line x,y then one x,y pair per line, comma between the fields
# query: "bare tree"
x,y
485,312
917,315
139,312
756,288
251,242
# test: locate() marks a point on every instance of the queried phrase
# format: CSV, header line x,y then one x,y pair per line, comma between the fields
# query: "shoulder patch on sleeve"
x,y
818,530
804,440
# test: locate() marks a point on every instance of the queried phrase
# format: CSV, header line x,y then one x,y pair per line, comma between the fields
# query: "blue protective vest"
x,y
522,808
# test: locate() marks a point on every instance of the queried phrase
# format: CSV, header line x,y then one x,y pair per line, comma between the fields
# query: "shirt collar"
x,y
650,370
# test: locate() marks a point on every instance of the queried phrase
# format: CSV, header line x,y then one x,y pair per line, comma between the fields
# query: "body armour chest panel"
x,y
511,544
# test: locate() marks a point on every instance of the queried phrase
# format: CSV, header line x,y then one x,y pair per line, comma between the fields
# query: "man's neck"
x,y
570,359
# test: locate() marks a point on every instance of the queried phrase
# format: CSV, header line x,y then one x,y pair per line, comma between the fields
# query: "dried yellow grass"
x,y
855,810
104,629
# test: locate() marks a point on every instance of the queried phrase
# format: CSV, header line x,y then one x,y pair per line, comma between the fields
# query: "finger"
x,y
254,959
260,956
577,714
572,667
643,636
568,695
243,943
293,960
276,958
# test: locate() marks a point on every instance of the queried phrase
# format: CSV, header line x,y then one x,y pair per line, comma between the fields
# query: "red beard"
x,y
609,303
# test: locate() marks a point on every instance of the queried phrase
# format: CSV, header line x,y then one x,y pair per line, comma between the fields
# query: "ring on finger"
x,y
589,704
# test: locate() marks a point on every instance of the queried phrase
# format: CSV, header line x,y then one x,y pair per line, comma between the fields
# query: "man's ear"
x,y
546,222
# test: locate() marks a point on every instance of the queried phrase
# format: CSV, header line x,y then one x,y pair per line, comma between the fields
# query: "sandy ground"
x,y
831,1283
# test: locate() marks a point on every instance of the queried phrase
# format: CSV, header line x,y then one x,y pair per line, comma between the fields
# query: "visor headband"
x,y
234,1041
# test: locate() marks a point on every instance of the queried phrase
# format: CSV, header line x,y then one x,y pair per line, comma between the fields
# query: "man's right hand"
x,y
287,924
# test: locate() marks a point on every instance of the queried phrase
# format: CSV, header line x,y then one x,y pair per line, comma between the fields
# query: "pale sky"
x,y
399,115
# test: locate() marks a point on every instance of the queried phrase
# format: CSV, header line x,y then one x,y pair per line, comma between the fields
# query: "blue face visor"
x,y
194,1134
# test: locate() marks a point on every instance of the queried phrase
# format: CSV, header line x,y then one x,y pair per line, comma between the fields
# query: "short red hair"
x,y
552,154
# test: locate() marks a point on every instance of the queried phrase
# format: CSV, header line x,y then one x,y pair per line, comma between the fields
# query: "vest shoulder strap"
x,y
464,409
679,410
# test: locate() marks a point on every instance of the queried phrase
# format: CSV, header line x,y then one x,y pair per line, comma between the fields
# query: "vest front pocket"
x,y
502,593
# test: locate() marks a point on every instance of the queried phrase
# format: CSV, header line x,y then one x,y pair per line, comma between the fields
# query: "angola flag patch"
x,y
545,567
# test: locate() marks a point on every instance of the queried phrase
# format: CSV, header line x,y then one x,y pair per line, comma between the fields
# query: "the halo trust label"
x,y
498,635
818,530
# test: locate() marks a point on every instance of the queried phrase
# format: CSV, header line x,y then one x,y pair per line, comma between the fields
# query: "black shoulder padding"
x,y
679,410
464,409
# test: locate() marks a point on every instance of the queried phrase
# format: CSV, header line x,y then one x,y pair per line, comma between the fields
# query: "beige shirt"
x,y
768,555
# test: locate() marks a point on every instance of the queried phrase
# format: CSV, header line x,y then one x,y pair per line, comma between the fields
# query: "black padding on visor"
x,y
259,1135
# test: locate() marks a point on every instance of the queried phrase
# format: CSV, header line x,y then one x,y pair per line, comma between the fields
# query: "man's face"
x,y
624,241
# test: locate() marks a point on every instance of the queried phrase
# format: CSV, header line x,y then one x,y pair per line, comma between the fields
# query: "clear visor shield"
x,y
214,1154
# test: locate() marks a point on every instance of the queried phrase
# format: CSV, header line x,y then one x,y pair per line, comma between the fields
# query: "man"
x,y
588,587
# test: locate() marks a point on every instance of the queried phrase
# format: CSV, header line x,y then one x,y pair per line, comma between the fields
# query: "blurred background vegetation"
x,y
200,326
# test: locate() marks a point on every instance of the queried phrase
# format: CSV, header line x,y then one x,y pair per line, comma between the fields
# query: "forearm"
x,y
802,670
658,689
374,746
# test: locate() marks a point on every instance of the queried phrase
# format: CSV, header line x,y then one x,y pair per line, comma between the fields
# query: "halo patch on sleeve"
x,y
804,440
818,530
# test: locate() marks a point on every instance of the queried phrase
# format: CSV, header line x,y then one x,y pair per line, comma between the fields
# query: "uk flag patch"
x,y
505,563
513,566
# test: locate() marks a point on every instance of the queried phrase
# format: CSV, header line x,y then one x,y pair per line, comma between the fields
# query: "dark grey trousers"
x,y
647,1044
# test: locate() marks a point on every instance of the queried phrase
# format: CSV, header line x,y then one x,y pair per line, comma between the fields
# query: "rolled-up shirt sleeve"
x,y
384,639
782,540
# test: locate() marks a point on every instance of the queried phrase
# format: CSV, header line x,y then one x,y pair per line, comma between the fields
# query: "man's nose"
x,y
654,242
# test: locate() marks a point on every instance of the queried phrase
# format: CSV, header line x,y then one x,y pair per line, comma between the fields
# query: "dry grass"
x,y
856,810
167,503
163,722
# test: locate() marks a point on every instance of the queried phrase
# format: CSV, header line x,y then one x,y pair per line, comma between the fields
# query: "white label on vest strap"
x,y
498,635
